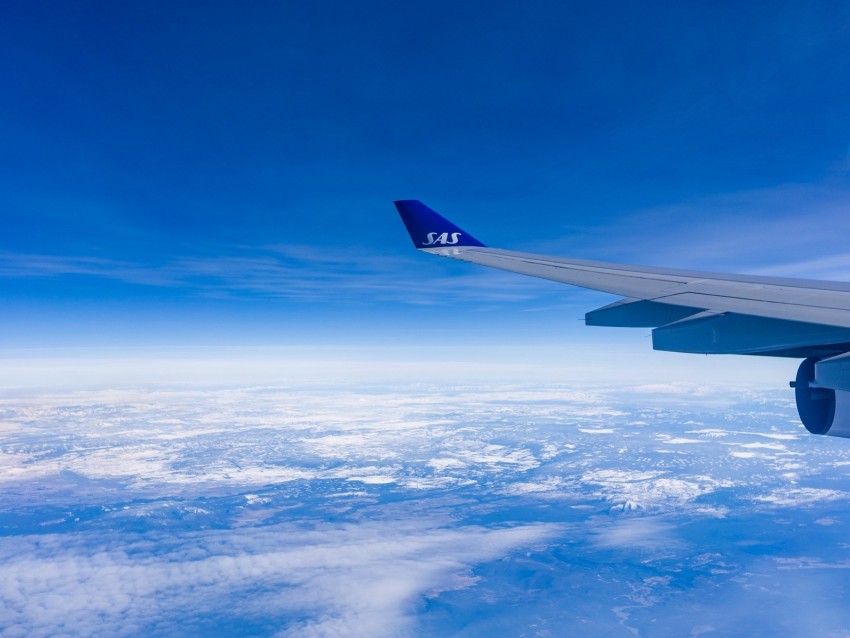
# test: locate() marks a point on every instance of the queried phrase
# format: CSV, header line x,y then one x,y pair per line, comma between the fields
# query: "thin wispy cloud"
x,y
789,230
301,273
833,267
351,580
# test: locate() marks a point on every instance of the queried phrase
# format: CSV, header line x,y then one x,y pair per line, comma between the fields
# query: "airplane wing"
x,y
690,311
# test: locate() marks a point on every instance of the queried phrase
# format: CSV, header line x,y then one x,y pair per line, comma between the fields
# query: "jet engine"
x,y
823,404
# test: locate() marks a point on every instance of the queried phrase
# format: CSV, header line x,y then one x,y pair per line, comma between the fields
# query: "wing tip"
x,y
429,229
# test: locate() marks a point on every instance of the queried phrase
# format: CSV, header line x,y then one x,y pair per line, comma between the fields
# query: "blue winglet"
x,y
429,229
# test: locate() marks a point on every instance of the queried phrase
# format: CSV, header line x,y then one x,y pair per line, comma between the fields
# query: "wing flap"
x,y
637,313
730,333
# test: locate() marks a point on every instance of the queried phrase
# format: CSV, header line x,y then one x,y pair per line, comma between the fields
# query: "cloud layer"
x,y
298,511
324,580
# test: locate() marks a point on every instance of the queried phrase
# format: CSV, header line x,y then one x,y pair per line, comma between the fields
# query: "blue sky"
x,y
222,175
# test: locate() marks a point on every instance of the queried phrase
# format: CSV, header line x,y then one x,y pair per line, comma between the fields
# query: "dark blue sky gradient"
x,y
223,173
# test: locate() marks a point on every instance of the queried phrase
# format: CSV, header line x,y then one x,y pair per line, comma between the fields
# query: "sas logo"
x,y
443,239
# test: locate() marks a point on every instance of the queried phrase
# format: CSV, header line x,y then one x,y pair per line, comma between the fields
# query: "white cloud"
x,y
801,496
643,533
353,580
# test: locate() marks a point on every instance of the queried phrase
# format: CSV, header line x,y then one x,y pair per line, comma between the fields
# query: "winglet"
x,y
429,229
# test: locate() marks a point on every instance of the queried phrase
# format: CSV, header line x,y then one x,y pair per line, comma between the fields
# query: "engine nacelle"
x,y
822,410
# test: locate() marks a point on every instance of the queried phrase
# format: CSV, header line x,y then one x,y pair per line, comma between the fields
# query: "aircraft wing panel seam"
x,y
710,295
808,285
832,317
614,272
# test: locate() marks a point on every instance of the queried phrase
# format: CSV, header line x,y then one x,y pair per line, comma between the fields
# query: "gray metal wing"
x,y
695,311
690,311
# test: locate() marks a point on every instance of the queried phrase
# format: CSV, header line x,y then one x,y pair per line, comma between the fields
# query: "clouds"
x,y
723,233
295,273
355,580
790,230
204,439
177,443
390,511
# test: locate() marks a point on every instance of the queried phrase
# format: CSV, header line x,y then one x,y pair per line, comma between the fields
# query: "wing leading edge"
x,y
690,311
